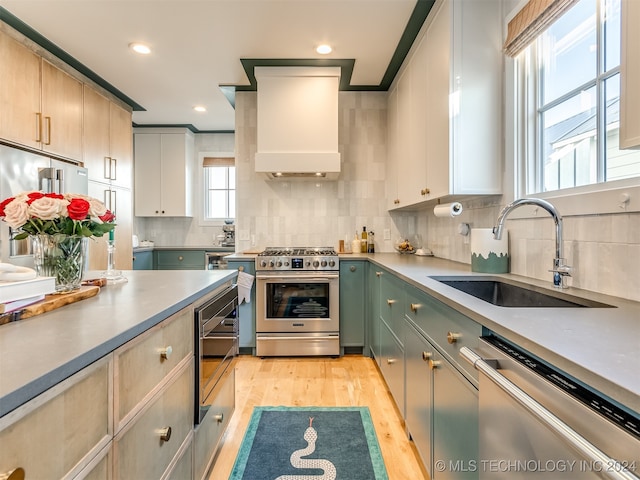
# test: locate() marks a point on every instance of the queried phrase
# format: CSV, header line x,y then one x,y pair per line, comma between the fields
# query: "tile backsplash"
x,y
604,250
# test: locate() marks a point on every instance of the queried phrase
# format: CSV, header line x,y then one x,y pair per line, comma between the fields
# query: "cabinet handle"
x,y
38,129
427,356
396,201
165,434
425,191
433,364
390,301
47,121
113,171
414,307
391,361
166,352
16,474
352,268
452,337
218,417
378,274
106,166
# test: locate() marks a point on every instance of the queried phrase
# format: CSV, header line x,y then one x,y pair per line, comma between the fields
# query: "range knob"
x,y
286,264
271,263
279,263
263,263
323,263
332,263
316,263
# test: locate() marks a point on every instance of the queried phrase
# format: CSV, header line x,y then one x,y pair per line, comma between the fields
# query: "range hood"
x,y
298,122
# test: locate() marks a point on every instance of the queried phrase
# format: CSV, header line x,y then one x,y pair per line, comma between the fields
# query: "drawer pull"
x,y
166,352
218,417
391,361
433,364
427,355
16,474
452,337
414,307
390,301
352,268
165,434
180,257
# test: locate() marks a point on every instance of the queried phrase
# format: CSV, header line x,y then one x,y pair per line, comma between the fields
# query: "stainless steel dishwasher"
x,y
538,423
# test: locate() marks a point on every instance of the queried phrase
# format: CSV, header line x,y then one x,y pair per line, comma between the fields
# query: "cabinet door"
x,y
120,146
392,300
352,303
61,112
96,135
403,161
630,75
118,200
392,150
143,260
19,93
392,366
174,196
419,392
415,176
455,423
373,328
147,192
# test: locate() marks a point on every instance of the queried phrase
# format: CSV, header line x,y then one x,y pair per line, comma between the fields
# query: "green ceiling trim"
x,y
52,48
188,126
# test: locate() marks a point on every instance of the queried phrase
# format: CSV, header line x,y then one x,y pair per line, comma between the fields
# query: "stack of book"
x,y
19,294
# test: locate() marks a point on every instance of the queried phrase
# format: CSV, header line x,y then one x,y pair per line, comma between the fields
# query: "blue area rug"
x,y
320,443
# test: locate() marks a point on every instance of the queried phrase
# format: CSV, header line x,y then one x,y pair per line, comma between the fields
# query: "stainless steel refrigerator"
x,y
20,171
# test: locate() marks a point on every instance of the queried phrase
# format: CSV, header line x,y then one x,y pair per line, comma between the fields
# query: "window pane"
x,y
232,177
612,34
217,205
569,51
569,142
217,177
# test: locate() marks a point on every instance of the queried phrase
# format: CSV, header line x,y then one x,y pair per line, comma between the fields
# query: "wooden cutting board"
x,y
53,301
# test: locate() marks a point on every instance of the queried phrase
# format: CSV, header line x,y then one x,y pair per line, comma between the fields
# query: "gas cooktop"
x,y
297,258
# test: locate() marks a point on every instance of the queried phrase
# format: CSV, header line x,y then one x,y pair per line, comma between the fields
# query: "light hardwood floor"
x,y
318,381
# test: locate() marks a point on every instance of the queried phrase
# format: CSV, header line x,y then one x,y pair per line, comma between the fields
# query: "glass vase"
x,y
62,257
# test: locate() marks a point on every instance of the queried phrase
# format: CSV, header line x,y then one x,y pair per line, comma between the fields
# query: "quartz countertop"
x,y
208,248
41,351
598,346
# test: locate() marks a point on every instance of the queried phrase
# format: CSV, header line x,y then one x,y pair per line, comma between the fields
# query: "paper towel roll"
x,y
448,210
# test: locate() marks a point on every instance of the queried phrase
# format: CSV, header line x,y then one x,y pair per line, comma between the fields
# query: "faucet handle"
x,y
560,272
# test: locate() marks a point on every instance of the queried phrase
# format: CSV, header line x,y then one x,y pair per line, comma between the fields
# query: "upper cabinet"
x,y
630,75
445,117
42,105
108,139
163,174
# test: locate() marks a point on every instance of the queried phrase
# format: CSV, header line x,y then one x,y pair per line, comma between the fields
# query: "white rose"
x,y
16,213
47,208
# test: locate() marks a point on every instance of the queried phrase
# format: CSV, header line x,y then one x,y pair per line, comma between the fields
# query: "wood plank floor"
x,y
351,380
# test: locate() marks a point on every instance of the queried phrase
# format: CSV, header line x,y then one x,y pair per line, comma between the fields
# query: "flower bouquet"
x,y
58,225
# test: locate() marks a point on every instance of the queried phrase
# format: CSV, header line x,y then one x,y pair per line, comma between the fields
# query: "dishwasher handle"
x,y
573,438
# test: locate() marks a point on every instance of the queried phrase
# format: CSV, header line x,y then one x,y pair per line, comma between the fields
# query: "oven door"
x,y
297,302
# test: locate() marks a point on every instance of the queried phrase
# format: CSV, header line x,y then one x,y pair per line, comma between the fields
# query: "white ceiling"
x,y
198,45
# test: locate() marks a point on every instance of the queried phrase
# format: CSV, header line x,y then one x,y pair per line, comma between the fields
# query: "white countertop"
x,y
39,352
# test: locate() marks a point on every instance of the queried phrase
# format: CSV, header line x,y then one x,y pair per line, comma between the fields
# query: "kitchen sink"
x,y
513,294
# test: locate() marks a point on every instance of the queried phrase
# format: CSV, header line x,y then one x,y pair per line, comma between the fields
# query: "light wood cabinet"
x,y
448,119
630,75
143,363
59,433
108,140
119,201
163,174
42,105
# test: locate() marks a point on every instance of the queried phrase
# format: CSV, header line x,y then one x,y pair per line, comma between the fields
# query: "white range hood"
x,y
298,122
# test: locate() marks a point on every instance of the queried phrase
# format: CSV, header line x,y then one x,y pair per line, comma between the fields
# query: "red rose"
x,y
78,209
4,203
34,196
54,195
107,217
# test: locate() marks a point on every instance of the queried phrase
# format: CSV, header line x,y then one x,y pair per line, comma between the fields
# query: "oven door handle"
x,y
312,277
564,431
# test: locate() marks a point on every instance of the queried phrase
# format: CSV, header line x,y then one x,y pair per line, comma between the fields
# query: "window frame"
x,y
615,196
202,221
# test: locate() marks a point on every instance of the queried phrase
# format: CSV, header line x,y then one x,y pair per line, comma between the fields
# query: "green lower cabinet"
x,y
392,365
246,311
352,305
143,260
179,259
373,312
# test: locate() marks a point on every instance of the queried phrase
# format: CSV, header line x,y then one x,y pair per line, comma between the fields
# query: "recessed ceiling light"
x,y
140,48
199,108
324,49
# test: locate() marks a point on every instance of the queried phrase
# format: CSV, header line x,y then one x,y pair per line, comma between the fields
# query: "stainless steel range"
x,y
297,302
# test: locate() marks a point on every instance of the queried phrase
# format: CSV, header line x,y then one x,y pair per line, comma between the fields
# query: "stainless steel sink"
x,y
505,293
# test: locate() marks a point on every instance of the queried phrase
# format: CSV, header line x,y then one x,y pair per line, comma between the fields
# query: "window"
x,y
219,188
571,80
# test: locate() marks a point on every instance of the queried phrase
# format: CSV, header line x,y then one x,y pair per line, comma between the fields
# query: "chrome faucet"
x,y
560,269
